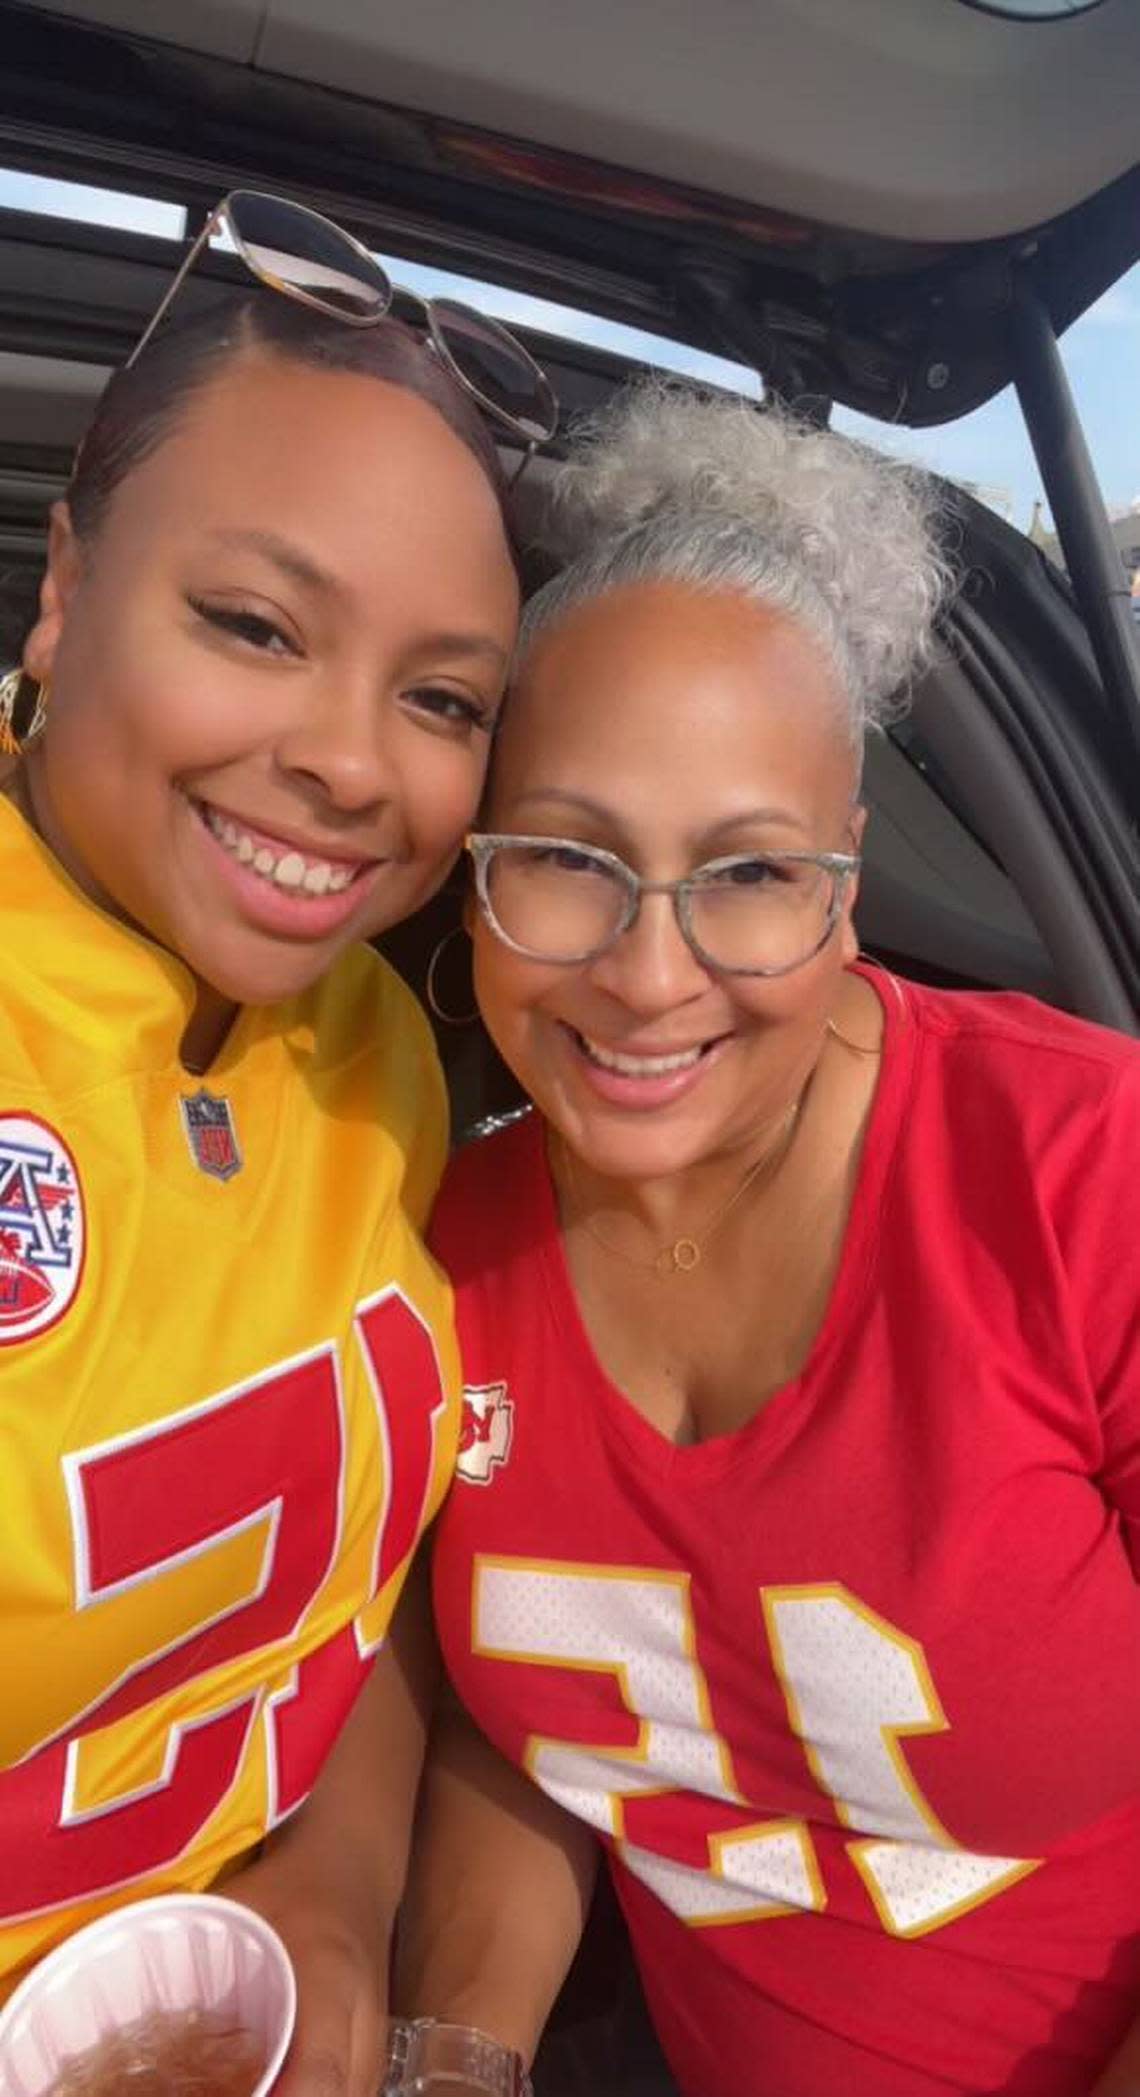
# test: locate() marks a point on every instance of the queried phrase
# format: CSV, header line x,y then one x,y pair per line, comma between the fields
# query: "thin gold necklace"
x,y
682,1254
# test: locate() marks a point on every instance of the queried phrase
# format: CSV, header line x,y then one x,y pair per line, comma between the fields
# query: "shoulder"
x,y
1005,1035
360,1001
1003,1079
361,1010
369,1053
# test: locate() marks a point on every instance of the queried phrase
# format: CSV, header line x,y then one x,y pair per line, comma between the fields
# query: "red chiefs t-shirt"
x,y
852,1695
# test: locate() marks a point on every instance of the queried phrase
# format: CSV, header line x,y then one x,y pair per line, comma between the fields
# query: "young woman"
x,y
794,1546
250,731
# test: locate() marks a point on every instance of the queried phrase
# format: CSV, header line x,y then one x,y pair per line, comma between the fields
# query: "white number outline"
x,y
872,1855
651,1868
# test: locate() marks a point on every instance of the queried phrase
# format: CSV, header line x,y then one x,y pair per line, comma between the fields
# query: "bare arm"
x,y
1121,2078
498,1892
331,1880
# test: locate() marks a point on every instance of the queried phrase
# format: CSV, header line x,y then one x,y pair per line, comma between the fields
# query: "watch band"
x,y
425,2051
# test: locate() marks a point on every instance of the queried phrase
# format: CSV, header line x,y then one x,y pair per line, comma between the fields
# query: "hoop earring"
x,y
448,1019
869,961
21,699
857,1047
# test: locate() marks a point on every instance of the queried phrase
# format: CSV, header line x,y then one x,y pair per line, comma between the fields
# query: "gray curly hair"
x,y
666,483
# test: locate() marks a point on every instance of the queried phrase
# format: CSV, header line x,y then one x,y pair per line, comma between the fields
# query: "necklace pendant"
x,y
684,1255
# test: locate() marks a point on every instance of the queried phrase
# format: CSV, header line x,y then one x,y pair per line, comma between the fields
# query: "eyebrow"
x,y
748,816
294,562
596,812
291,560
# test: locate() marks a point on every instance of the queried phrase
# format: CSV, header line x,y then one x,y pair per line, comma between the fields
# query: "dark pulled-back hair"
x,y
142,403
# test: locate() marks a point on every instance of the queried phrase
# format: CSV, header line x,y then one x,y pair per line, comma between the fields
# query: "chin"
x,y
635,1149
261,979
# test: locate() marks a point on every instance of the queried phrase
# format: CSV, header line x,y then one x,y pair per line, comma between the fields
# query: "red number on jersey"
x,y
401,1361
399,1358
267,1456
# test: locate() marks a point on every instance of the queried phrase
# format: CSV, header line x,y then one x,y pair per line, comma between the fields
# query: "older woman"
x,y
794,1550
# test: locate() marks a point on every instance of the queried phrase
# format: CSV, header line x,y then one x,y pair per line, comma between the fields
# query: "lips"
x,y
301,871
280,889
642,1081
659,1065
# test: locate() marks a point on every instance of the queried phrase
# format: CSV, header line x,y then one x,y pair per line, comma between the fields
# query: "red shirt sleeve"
x,y
1098,1224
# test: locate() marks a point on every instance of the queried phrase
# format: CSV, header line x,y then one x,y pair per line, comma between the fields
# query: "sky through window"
x,y
989,449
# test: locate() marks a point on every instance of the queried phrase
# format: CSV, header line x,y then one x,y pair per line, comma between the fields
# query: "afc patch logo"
x,y
42,1227
485,1432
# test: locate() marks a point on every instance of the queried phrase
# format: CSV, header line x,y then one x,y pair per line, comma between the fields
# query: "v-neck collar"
x,y
777,1419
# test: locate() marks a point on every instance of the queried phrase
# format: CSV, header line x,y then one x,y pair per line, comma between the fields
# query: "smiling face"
x,y
672,727
273,673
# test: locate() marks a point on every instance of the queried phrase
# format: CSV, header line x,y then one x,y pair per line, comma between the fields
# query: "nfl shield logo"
x,y
209,1126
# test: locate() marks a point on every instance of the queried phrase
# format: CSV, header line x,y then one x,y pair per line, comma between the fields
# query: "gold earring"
x,y
869,961
449,1019
857,1047
23,712
860,1048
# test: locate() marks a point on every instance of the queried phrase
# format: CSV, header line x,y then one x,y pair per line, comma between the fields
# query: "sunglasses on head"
x,y
306,257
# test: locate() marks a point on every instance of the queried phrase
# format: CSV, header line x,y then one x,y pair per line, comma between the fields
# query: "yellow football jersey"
x,y
230,1395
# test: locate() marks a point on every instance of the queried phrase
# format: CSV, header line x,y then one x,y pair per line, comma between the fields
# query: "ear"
x,y
848,938
61,580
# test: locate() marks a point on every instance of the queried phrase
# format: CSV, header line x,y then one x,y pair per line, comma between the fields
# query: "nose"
x,y
651,968
339,741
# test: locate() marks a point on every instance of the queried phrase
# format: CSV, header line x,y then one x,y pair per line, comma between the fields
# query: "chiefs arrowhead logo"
x,y
485,1433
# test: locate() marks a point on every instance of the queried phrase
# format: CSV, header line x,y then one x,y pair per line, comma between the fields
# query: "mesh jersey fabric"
x,y
851,1695
230,1396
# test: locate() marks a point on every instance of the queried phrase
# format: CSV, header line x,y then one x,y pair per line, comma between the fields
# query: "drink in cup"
x,y
185,1995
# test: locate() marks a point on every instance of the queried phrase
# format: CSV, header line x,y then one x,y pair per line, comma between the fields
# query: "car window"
x,y
989,452
86,205
573,324
937,896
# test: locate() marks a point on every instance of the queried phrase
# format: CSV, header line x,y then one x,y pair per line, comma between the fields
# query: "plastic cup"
x,y
177,1952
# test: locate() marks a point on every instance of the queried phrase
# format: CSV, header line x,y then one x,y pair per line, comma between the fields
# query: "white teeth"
x,y
288,869
639,1066
289,872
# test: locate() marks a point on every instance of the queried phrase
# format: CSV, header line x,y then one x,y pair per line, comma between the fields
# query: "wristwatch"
x,y
424,2052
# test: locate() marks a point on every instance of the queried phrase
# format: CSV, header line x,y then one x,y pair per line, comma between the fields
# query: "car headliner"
x,y
852,196
916,119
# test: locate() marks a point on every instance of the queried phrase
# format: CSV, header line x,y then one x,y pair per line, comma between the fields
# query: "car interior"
x,y
895,206
861,206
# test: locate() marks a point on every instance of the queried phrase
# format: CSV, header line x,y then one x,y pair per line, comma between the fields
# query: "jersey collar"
x,y
88,994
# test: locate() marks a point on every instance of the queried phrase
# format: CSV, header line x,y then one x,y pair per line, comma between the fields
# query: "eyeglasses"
x,y
755,914
306,257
